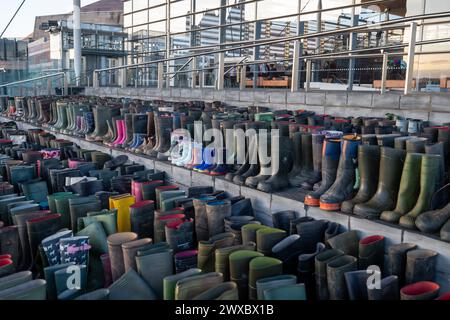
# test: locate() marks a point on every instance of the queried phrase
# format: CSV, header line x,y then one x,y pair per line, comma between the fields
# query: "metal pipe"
x,y
256,43
77,40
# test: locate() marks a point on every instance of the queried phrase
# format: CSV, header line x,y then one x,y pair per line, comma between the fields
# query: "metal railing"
x,y
49,78
408,22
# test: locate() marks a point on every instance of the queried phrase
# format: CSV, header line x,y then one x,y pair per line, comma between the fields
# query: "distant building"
x,y
13,60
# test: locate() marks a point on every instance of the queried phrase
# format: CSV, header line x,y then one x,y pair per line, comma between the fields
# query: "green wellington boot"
x,y
115,242
391,166
61,278
430,177
130,286
49,274
222,257
259,268
223,291
107,218
188,288
273,282
30,290
420,265
336,270
409,188
170,282
239,269
268,237
321,263
368,166
396,265
248,232
206,250
154,265
51,200
433,221
79,207
62,207
97,237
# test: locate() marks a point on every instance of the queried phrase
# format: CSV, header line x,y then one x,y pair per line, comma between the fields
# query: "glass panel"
x,y
140,4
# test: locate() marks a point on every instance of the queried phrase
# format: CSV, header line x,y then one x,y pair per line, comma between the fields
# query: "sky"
x,y
24,22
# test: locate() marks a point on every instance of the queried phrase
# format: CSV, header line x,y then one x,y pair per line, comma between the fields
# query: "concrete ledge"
x,y
265,204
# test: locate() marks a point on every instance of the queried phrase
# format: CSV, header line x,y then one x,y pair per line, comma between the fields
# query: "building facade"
x,y
167,28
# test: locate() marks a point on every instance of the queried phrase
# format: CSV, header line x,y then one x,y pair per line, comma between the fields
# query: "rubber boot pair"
x,y
206,250
122,203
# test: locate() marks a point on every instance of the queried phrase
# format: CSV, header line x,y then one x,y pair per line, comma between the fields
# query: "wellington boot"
x,y
409,188
51,247
242,207
371,252
342,188
223,291
273,282
389,290
346,242
429,183
222,257
122,203
396,265
305,270
356,283
201,219
170,282
316,175
130,249
40,228
391,166
115,242
6,267
311,233
15,279
154,266
259,268
239,269
249,232
368,166
185,260
130,286
423,290
445,231
303,159
216,212
180,235
63,208
282,161
97,237
420,265
286,292
264,166
282,220
330,161
49,275
268,237
142,216
234,225
107,218
190,287
79,207
99,294
30,290
336,270
288,250
162,219
206,250
254,167
416,145
51,200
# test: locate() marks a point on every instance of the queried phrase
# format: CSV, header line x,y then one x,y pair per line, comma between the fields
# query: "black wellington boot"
x,y
252,155
307,170
305,270
342,188
264,164
420,265
330,161
368,166
336,270
396,265
282,161
371,252
316,175
391,166
320,266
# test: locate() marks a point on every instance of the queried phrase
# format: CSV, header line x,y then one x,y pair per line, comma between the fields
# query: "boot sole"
x,y
312,202
330,206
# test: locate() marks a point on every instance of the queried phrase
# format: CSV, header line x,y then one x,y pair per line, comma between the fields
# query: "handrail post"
x,y
160,75
136,75
295,66
66,84
95,83
49,86
220,71
308,75
123,78
243,83
193,73
411,54
384,70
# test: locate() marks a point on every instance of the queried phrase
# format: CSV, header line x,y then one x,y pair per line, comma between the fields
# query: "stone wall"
x,y
433,107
